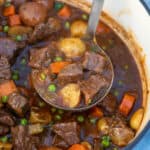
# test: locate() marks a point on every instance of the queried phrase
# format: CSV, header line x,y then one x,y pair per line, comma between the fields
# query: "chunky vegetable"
x,y
72,47
71,95
77,147
78,28
96,112
56,67
14,20
8,11
127,103
136,119
65,12
103,126
87,145
5,146
7,88
19,30
40,115
35,129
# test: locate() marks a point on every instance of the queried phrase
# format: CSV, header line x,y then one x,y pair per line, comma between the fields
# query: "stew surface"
x,y
42,55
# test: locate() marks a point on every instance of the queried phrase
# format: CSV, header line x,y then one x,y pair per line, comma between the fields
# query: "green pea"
x,y
60,111
105,141
116,93
23,61
42,76
58,58
58,6
58,117
120,82
15,77
93,120
67,25
41,104
7,4
53,110
126,67
4,139
85,16
6,28
18,38
80,118
52,88
24,121
4,99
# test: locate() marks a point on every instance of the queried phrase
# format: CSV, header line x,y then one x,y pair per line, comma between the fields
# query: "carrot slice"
x,y
56,67
97,112
7,88
77,147
8,11
65,12
127,103
102,28
14,20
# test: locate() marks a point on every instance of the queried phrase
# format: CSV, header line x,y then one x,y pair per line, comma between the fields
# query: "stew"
x,y
42,55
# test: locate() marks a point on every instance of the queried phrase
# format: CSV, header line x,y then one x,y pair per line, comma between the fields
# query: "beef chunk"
x,y
6,118
8,47
70,74
94,62
67,131
91,86
21,139
41,58
18,103
109,103
5,73
3,130
43,30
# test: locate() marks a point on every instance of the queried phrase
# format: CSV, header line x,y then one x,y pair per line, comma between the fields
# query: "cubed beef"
x,y
18,103
21,140
43,30
6,118
8,47
70,74
3,130
94,62
68,132
109,103
92,86
5,73
41,58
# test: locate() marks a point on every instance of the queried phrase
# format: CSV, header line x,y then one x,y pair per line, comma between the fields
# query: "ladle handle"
x,y
94,17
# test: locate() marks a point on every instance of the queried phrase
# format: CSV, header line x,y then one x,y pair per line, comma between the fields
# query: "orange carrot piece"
x,y
8,11
7,88
77,147
14,20
97,112
127,103
65,12
102,28
56,67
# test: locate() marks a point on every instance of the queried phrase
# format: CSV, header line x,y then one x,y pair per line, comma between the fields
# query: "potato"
x,y
35,129
72,47
71,95
19,30
5,146
136,119
40,115
103,126
87,145
78,28
32,13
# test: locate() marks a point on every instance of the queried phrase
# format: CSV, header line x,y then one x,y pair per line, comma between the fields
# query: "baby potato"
x,y
78,28
87,145
136,119
102,125
71,95
72,47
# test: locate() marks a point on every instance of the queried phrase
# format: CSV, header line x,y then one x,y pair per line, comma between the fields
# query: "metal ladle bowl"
x,y
90,38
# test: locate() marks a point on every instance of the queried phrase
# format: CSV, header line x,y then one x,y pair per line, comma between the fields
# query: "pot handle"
x,y
141,140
